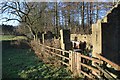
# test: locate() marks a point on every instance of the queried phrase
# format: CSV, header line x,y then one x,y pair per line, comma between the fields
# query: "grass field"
x,y
23,63
11,37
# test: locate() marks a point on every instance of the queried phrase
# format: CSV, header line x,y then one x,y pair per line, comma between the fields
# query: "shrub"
x,y
41,52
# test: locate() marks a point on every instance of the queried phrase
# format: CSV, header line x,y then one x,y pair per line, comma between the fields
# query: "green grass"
x,y
23,63
6,37
11,37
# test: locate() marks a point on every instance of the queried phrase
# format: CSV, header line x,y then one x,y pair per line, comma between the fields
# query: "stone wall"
x,y
65,42
106,36
111,36
96,38
86,38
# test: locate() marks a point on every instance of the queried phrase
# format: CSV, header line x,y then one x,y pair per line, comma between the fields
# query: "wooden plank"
x,y
60,55
109,62
47,50
64,63
72,61
86,75
78,63
63,54
89,58
89,67
112,74
62,50
103,71
97,75
56,48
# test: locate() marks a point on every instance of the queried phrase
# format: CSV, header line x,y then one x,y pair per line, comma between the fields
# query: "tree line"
x,y
7,29
35,17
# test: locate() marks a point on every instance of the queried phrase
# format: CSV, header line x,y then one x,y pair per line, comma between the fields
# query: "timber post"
x,y
72,61
78,63
43,38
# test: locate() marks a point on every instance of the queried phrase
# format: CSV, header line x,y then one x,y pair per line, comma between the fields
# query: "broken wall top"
x,y
104,20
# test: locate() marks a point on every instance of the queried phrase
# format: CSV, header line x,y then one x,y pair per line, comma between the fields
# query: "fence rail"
x,y
76,61
108,61
89,58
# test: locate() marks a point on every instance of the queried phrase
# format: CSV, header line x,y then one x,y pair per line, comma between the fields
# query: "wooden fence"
x,y
81,64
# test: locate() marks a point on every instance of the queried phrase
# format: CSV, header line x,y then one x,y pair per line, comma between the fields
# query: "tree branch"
x,y
7,19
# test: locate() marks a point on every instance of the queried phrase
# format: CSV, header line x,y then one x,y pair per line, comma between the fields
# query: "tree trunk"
x,y
56,5
31,31
88,25
91,6
83,7
97,14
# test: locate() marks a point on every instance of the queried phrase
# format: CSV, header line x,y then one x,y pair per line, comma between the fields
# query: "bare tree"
x,y
27,13
39,17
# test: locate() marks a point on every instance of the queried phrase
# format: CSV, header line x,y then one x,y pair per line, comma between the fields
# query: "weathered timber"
x,y
109,62
64,63
105,73
89,67
78,63
56,49
60,55
86,75
90,58
74,61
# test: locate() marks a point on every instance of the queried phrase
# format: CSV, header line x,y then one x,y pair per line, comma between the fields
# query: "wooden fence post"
x,y
72,61
75,64
78,63
43,38
63,53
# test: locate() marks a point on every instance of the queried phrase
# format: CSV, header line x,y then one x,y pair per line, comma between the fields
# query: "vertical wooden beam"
x,y
72,61
75,65
43,38
63,54
75,60
78,63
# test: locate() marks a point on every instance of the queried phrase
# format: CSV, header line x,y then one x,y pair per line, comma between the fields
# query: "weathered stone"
x,y
106,36
96,38
65,39
111,36
65,35
82,38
